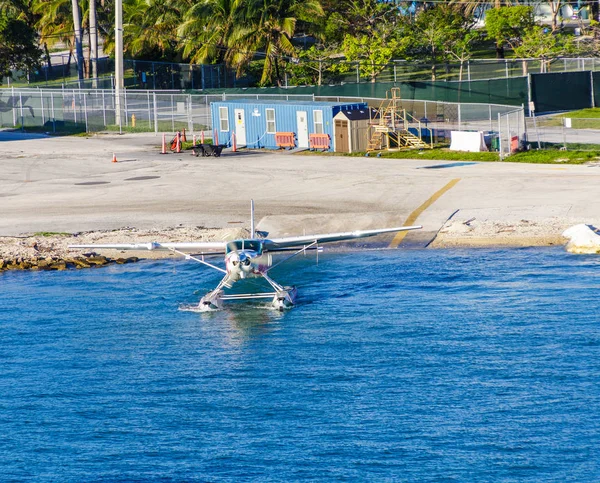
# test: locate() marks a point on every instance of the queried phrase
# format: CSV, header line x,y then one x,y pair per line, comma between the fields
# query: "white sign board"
x,y
467,141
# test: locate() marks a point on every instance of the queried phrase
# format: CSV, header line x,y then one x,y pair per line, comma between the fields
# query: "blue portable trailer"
x,y
255,122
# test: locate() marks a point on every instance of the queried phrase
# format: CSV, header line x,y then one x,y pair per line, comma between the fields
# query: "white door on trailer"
x,y
240,127
302,129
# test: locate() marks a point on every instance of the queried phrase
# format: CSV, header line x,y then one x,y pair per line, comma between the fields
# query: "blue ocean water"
x,y
403,365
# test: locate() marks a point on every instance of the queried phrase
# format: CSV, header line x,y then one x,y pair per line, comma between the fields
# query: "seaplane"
x,y
248,258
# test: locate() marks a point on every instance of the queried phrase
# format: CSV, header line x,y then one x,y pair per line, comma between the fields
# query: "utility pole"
x,y
78,45
93,43
119,81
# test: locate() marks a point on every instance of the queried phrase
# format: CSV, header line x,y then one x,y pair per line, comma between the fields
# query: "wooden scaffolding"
x,y
389,128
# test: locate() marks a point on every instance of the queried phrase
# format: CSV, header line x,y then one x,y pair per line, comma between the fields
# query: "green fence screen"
x,y
561,91
512,91
596,83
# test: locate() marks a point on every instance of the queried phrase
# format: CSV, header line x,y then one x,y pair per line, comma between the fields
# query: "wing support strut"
x,y
187,256
303,249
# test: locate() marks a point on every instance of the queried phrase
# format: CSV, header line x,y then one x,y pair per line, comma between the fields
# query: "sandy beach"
x,y
69,186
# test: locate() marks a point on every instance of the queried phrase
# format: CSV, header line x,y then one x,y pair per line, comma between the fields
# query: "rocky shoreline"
x,y
50,251
57,263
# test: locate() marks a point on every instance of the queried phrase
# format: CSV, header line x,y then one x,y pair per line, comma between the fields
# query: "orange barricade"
x,y
285,140
514,144
319,141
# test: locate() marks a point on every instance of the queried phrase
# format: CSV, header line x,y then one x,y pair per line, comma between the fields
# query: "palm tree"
x,y
54,24
152,25
206,28
268,26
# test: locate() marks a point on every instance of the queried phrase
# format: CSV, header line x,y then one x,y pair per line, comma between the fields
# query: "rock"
x,y
582,239
24,265
80,263
97,260
43,264
122,261
58,265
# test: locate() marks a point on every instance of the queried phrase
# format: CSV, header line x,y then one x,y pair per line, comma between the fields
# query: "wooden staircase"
x,y
389,129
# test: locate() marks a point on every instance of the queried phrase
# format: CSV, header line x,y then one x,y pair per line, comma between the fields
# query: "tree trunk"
x,y
78,44
499,51
48,58
93,42
320,73
277,77
555,7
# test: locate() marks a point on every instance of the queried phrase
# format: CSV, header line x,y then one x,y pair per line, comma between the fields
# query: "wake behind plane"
x,y
248,258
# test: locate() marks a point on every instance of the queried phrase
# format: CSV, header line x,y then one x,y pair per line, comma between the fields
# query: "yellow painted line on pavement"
x,y
412,218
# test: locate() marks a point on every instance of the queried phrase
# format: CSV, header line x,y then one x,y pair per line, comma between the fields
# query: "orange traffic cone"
x,y
183,137
114,160
164,145
178,148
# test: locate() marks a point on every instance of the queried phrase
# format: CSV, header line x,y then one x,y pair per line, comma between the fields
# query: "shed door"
x,y
341,136
240,127
302,119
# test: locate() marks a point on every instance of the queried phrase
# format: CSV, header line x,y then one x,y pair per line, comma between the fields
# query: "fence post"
x,y
189,113
499,138
395,78
469,70
42,104
593,100
74,105
149,112
490,116
85,113
14,107
103,109
172,113
357,73
52,107
529,100
155,113
459,118
125,102
21,107
153,77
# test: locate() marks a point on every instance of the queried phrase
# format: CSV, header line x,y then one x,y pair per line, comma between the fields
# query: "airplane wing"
x,y
296,241
181,246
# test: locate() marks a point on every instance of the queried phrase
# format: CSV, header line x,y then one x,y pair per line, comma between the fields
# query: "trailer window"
x,y
224,119
318,121
270,116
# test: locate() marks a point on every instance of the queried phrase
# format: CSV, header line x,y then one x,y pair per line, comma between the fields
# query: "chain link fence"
x,y
176,76
82,110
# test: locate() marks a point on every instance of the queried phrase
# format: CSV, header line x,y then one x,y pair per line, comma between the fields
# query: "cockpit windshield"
x,y
236,245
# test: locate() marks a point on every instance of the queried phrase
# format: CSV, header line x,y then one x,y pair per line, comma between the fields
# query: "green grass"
x,y
583,119
555,157
51,233
589,113
436,154
549,156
